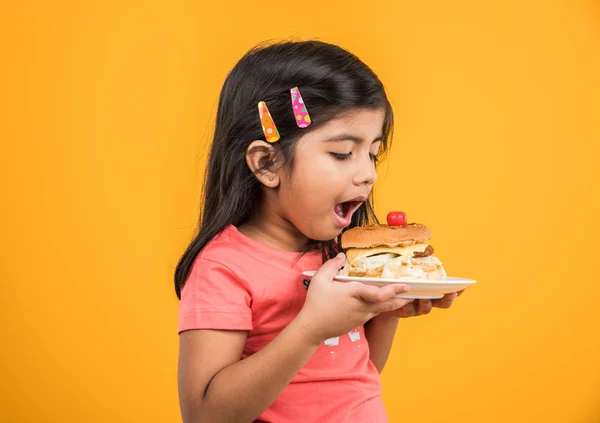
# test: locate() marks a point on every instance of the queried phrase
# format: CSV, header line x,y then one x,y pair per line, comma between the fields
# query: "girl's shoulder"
x,y
235,250
231,245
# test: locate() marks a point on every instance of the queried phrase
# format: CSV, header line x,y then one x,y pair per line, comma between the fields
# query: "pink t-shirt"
x,y
238,283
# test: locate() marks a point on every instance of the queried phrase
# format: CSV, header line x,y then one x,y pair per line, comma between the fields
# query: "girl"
x,y
282,183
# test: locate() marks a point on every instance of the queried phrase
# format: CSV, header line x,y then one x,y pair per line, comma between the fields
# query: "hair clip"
x,y
267,123
300,112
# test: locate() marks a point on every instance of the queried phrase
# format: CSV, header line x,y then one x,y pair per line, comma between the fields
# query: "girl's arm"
x,y
380,332
215,385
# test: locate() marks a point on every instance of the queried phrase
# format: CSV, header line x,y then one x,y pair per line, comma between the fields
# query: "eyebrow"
x,y
351,137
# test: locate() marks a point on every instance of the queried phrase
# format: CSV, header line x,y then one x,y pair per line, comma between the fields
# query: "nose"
x,y
365,173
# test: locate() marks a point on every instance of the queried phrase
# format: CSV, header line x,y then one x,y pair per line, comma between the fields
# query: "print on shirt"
x,y
332,342
354,335
335,341
306,283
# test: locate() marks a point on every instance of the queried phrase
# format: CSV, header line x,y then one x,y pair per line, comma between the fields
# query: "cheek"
x,y
320,177
307,197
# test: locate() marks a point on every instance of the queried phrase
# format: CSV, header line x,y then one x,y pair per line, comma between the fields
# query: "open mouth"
x,y
345,209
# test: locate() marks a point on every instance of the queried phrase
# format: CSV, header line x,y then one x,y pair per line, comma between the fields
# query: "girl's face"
x,y
333,174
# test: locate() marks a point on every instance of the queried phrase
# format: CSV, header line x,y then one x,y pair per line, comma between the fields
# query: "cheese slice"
x,y
353,254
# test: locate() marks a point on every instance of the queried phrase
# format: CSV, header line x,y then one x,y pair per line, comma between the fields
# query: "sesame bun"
x,y
385,236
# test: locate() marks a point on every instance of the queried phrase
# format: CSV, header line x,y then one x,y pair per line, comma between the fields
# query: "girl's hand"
x,y
419,307
334,308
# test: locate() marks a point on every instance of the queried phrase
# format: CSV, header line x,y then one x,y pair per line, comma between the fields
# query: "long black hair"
x,y
331,80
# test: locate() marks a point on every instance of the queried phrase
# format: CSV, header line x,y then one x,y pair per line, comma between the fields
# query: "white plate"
x,y
417,288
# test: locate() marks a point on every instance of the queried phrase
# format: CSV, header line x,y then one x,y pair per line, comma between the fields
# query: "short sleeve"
x,y
214,298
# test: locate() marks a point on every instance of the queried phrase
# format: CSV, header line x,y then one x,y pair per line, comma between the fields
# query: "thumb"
x,y
330,268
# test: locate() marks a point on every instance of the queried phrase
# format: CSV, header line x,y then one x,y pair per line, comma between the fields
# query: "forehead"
x,y
366,124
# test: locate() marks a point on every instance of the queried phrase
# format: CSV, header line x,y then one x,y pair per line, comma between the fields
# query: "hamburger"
x,y
391,252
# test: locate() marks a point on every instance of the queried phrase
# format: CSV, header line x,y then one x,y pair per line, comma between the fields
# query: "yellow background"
x,y
106,111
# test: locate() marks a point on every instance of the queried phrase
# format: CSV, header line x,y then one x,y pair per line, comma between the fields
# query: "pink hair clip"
x,y
300,113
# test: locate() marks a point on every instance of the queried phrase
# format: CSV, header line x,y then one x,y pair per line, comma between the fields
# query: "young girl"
x,y
299,128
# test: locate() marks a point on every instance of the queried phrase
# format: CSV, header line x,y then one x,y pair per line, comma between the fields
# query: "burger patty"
x,y
428,252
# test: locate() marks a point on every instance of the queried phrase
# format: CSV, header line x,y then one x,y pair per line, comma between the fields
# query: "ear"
x,y
261,158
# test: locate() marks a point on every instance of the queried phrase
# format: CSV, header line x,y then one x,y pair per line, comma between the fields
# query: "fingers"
x,y
392,304
415,308
378,299
418,307
376,294
404,311
409,310
446,301
423,306
382,299
330,268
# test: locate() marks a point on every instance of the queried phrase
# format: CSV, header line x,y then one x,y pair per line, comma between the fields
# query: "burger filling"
x,y
413,261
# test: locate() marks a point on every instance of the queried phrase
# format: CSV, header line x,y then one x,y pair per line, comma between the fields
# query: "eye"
x,y
339,156
374,158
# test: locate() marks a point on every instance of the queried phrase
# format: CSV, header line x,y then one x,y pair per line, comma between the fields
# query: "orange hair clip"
x,y
267,123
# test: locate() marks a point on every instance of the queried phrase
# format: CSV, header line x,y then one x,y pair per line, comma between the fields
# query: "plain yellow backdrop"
x,y
106,113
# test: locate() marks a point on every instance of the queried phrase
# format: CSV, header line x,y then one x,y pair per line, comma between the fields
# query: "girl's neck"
x,y
272,230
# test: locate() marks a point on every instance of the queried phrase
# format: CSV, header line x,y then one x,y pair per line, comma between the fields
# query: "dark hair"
x,y
331,80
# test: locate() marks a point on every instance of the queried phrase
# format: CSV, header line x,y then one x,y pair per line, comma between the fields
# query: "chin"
x,y
329,236
321,233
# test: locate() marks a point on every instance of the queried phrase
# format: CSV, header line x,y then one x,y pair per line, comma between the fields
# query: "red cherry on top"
x,y
396,218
